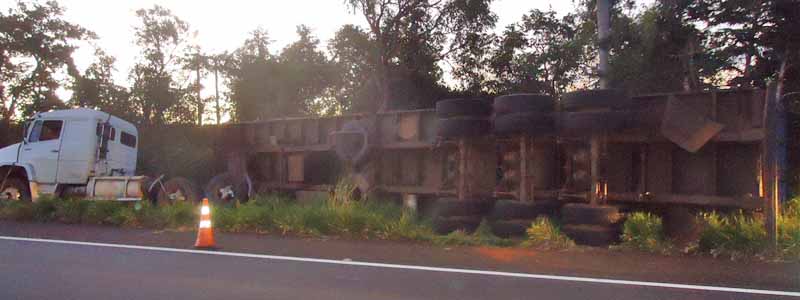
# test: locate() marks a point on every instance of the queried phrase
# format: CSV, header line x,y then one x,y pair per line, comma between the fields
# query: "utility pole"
x,y
216,87
603,25
199,99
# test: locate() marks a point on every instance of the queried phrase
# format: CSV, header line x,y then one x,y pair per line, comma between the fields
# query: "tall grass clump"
x,y
735,235
644,231
789,230
545,233
482,236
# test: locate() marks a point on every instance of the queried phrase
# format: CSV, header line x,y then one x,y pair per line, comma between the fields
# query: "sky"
x,y
224,25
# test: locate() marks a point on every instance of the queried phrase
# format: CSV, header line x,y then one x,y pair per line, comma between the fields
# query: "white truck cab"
x,y
73,151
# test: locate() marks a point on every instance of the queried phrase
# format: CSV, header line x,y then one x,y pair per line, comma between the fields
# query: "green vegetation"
x,y
482,236
735,235
545,233
644,231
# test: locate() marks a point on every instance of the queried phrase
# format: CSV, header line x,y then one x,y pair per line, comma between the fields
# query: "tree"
x,y
352,51
96,89
540,54
35,45
162,38
412,36
291,83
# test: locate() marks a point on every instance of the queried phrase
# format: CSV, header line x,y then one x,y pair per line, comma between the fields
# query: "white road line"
x,y
422,268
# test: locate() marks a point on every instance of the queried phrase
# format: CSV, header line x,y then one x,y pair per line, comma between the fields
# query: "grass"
x,y
643,231
544,233
735,235
482,236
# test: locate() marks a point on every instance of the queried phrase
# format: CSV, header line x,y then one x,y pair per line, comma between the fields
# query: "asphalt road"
x,y
36,270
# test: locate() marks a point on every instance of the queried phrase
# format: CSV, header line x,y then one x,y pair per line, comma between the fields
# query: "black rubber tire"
x,y
190,191
450,108
680,223
238,187
445,225
595,99
529,123
517,103
580,213
583,123
21,186
511,228
593,235
462,127
449,207
513,209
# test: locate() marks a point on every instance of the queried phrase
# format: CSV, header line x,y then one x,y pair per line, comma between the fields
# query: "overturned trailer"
x,y
587,157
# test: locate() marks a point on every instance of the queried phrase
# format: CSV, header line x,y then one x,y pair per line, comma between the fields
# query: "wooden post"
x,y
774,157
523,168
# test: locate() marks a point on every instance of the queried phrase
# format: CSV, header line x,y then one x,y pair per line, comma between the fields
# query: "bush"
x,y
546,234
17,211
735,235
103,212
71,210
482,236
643,231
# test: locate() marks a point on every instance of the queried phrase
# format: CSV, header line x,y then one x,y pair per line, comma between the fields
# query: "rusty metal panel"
x,y
326,127
737,166
687,124
388,168
388,128
694,173
295,167
408,126
620,167
410,167
295,132
432,169
279,132
659,168
311,131
478,177
545,164
428,126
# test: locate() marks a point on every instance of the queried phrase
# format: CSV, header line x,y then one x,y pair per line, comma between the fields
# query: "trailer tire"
x,y
445,225
448,207
178,189
588,122
510,228
593,235
224,189
462,127
530,123
585,214
595,99
517,103
15,189
513,209
449,108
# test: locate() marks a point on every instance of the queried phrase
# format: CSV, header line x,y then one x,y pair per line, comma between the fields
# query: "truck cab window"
x,y
45,131
110,131
127,139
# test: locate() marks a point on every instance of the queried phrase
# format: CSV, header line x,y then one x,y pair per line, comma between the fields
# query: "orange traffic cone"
x,y
205,234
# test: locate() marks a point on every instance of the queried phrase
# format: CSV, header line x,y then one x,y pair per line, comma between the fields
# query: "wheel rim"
x,y
177,196
11,193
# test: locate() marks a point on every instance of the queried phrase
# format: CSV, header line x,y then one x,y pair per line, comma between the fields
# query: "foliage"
x,y
481,236
644,231
732,235
36,45
546,234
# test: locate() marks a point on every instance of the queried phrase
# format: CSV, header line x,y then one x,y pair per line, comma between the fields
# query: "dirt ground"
x,y
579,261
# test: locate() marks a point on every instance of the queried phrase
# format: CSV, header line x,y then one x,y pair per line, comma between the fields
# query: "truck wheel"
x,y
449,108
462,127
509,228
514,209
448,207
445,225
580,213
593,235
15,189
595,99
531,123
178,189
224,189
517,103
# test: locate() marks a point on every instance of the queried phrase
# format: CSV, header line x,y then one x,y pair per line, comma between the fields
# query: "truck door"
x,y
42,149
